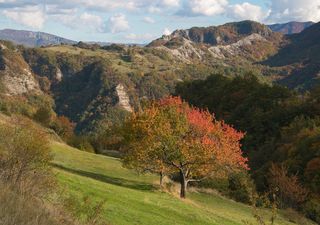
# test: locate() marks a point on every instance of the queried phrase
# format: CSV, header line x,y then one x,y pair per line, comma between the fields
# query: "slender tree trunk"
x,y
183,183
161,179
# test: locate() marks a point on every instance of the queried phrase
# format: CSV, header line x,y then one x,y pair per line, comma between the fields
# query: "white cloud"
x,y
86,14
141,38
154,9
91,21
84,21
109,5
298,10
171,3
31,16
117,23
52,9
204,7
6,1
247,11
166,31
148,20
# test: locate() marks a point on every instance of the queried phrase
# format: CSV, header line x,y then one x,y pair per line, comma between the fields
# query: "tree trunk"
x,y
161,179
183,183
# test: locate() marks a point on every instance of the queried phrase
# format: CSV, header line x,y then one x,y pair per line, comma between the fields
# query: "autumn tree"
x,y
172,137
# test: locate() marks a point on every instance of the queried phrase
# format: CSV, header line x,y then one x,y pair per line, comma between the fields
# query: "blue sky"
x,y
140,21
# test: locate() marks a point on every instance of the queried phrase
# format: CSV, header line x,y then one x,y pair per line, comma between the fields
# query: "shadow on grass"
x,y
111,180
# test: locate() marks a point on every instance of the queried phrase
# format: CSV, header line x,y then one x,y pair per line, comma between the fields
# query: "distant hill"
x,y
291,27
37,39
300,54
32,39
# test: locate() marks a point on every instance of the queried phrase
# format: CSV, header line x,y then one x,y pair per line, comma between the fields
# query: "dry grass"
x,y
16,209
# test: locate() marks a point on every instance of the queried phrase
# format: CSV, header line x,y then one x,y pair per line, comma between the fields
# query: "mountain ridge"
x,y
33,39
289,28
216,35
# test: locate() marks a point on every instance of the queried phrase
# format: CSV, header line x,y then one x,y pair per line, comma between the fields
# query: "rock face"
x,y
215,35
2,47
58,76
20,84
221,51
16,77
187,50
221,42
124,101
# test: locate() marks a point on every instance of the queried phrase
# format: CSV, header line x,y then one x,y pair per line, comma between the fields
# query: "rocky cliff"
x,y
16,77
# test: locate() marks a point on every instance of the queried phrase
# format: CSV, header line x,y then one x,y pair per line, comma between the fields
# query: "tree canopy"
x,y
170,136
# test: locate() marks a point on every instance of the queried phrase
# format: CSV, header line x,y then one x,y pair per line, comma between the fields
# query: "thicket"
x,y
282,129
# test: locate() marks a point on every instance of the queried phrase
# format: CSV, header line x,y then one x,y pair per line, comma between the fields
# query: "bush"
x,y
81,142
25,158
26,181
312,210
86,208
63,127
241,188
44,115
15,105
288,189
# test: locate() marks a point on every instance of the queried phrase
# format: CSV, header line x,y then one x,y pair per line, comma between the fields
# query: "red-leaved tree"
x,y
169,136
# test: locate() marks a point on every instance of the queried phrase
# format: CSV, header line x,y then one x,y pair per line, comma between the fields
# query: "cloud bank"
x,y
115,16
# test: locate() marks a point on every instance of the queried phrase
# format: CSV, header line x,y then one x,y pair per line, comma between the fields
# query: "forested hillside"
x,y
282,128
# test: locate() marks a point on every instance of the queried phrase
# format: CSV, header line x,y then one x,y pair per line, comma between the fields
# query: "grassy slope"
x,y
142,62
132,199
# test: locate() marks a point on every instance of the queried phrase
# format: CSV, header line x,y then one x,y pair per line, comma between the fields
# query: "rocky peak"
x,y
216,35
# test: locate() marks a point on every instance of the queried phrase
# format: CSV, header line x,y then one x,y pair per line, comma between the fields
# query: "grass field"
x,y
142,62
133,199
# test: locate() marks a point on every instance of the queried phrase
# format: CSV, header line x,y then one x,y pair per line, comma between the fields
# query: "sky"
x,y
140,21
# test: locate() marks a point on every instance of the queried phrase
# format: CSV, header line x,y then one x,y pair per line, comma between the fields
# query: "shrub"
x,y
312,174
63,127
25,158
288,188
26,181
44,115
88,210
241,187
312,210
81,142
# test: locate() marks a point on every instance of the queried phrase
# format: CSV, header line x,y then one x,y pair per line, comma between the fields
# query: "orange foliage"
x,y
172,136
